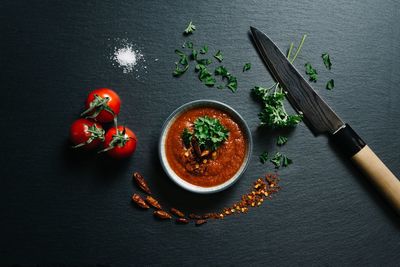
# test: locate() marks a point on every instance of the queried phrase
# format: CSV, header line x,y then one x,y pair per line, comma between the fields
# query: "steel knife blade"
x,y
322,119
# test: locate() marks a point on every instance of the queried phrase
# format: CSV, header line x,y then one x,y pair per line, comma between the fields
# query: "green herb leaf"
x,y
189,44
183,61
204,61
232,83
281,140
210,133
190,28
311,72
219,56
186,137
264,157
286,161
246,67
327,60
205,75
277,160
178,71
221,70
330,84
194,54
204,49
280,160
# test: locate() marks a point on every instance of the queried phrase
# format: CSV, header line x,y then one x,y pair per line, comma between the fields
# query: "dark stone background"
x,y
64,207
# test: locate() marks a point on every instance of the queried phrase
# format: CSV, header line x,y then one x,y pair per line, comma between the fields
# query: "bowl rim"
x,y
164,131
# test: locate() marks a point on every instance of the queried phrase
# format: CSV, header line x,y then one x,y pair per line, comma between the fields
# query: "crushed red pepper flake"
x,y
261,190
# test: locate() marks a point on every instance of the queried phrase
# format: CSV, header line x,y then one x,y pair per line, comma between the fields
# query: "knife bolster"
x,y
348,141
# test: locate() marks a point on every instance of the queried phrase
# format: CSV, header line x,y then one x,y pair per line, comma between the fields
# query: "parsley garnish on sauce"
x,y
209,133
327,60
190,28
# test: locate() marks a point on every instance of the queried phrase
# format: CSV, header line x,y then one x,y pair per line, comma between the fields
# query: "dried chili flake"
x,y
177,212
141,182
153,202
139,201
261,189
162,214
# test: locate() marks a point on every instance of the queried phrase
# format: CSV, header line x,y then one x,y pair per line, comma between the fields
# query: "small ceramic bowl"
x,y
195,104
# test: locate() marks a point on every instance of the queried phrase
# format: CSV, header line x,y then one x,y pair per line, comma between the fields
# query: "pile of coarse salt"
x,y
127,57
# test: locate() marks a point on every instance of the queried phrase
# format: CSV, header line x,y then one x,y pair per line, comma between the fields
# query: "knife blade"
x,y
322,119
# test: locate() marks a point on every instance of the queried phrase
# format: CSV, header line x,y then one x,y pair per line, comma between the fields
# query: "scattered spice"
x,y
162,214
139,201
177,212
262,189
153,202
141,182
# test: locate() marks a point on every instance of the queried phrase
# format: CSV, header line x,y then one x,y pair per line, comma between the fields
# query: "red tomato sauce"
x,y
219,168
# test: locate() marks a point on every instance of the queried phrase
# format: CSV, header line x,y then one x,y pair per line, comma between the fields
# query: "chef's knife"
x,y
322,119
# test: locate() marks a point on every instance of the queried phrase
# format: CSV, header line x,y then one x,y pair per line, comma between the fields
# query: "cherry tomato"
x,y
86,133
120,142
102,105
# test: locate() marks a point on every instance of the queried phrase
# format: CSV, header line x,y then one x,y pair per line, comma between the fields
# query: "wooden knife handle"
x,y
369,163
379,174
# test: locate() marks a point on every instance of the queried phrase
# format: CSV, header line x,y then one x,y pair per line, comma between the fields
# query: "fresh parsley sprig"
x,y
279,160
209,133
330,84
190,28
311,72
327,60
246,67
274,114
281,140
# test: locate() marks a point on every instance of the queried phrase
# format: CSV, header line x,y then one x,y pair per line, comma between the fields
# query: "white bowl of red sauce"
x,y
198,168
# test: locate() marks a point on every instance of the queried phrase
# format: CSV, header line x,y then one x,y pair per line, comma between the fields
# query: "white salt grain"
x,y
127,57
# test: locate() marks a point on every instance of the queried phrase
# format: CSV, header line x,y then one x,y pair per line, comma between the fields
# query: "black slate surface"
x,y
60,207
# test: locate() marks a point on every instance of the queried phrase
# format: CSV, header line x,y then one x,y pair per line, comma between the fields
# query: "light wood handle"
x,y
380,175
